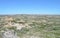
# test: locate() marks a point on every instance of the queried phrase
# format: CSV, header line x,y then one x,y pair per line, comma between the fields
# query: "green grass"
x,y
37,29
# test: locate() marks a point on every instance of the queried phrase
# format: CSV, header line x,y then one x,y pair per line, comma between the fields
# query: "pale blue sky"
x,y
29,6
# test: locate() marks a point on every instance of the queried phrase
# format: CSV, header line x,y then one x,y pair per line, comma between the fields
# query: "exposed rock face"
x,y
9,34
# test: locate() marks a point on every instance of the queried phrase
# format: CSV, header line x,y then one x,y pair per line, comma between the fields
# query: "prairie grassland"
x,y
32,26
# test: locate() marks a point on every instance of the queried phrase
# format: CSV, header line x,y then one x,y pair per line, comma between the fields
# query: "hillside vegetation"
x,y
31,26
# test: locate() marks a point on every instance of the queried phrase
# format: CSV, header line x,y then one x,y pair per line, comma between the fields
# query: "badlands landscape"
x,y
29,26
